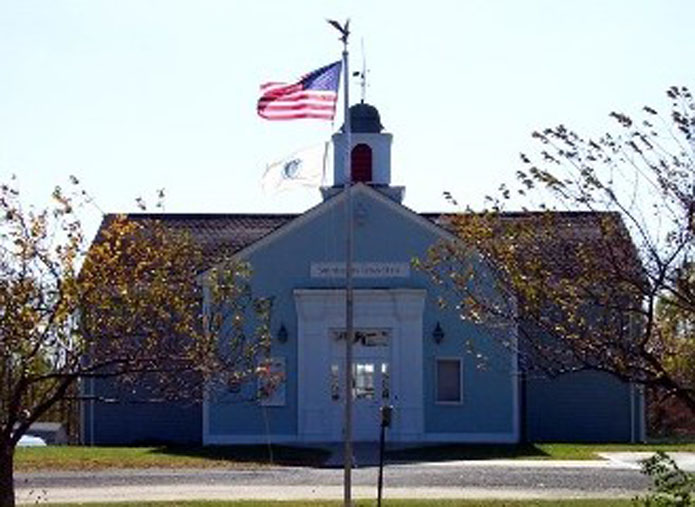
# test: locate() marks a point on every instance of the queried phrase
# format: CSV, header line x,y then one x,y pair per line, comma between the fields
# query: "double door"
x,y
371,381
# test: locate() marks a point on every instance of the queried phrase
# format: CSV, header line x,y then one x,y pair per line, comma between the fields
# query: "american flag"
x,y
313,96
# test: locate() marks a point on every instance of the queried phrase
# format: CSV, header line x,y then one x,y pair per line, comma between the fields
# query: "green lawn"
x,y
92,458
253,456
366,503
549,451
588,451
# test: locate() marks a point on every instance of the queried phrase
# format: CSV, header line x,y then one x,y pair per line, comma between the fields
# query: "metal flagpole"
x,y
349,325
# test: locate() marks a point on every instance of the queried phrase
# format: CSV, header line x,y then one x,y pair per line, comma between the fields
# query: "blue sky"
x,y
136,95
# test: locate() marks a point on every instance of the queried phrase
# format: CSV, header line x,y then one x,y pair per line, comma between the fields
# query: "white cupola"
x,y
370,153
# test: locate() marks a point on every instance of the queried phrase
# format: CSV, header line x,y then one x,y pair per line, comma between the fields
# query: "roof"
x,y
224,234
364,118
584,221
218,234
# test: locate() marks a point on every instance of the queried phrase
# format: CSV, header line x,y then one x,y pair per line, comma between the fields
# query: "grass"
x,y
365,503
29,459
589,451
541,451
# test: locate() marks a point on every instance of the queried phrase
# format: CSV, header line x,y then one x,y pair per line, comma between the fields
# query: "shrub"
x,y
671,485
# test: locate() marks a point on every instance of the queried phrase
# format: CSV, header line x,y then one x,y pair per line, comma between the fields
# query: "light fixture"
x,y
282,333
438,334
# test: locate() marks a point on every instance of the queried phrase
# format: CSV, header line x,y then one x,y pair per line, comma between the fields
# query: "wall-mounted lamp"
x,y
282,333
438,334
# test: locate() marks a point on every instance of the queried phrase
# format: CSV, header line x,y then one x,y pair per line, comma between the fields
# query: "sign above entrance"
x,y
366,337
361,270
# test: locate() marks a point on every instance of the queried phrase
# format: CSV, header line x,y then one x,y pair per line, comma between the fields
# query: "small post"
x,y
386,413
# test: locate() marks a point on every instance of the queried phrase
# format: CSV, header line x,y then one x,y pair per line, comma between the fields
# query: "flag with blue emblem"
x,y
303,168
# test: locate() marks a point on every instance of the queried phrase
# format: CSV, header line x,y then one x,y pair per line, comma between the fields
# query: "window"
x,y
335,381
385,381
363,388
449,380
271,382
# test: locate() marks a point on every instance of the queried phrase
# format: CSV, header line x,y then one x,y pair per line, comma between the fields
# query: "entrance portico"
x,y
388,350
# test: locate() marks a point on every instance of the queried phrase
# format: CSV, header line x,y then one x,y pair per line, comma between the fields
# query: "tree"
x,y
600,275
129,307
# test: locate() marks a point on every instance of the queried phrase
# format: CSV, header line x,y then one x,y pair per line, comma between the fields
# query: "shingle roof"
x,y
584,221
563,239
218,234
223,234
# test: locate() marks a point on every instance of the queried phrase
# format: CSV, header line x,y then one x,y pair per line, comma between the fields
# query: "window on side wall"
x,y
449,380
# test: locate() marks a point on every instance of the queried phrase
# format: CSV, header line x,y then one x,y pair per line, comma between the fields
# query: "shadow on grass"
x,y
455,452
260,454
282,455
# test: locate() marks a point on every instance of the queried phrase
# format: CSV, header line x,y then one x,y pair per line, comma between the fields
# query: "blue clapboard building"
x,y
409,353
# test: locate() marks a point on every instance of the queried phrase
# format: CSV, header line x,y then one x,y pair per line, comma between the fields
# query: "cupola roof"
x,y
365,119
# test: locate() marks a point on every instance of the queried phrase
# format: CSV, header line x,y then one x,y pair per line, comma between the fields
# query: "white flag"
x,y
303,168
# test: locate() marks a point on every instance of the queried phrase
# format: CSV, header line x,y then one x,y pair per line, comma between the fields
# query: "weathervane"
x,y
343,29
362,75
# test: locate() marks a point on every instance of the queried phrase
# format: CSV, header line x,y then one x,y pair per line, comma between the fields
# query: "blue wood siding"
x,y
144,423
122,418
587,406
381,235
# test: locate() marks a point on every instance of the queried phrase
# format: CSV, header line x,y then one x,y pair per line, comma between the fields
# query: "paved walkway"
x,y
612,477
367,454
684,460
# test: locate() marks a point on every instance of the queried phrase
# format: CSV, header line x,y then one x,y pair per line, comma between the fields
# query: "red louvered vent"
x,y
361,163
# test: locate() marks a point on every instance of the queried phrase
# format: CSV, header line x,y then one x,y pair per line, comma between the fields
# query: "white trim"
x,y
83,415
637,415
319,209
319,311
408,213
301,367
642,414
515,376
206,418
459,360
378,143
632,413
493,438
255,438
92,402
249,439
288,228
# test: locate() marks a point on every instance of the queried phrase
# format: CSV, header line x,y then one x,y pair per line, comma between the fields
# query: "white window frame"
x,y
437,360
278,398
